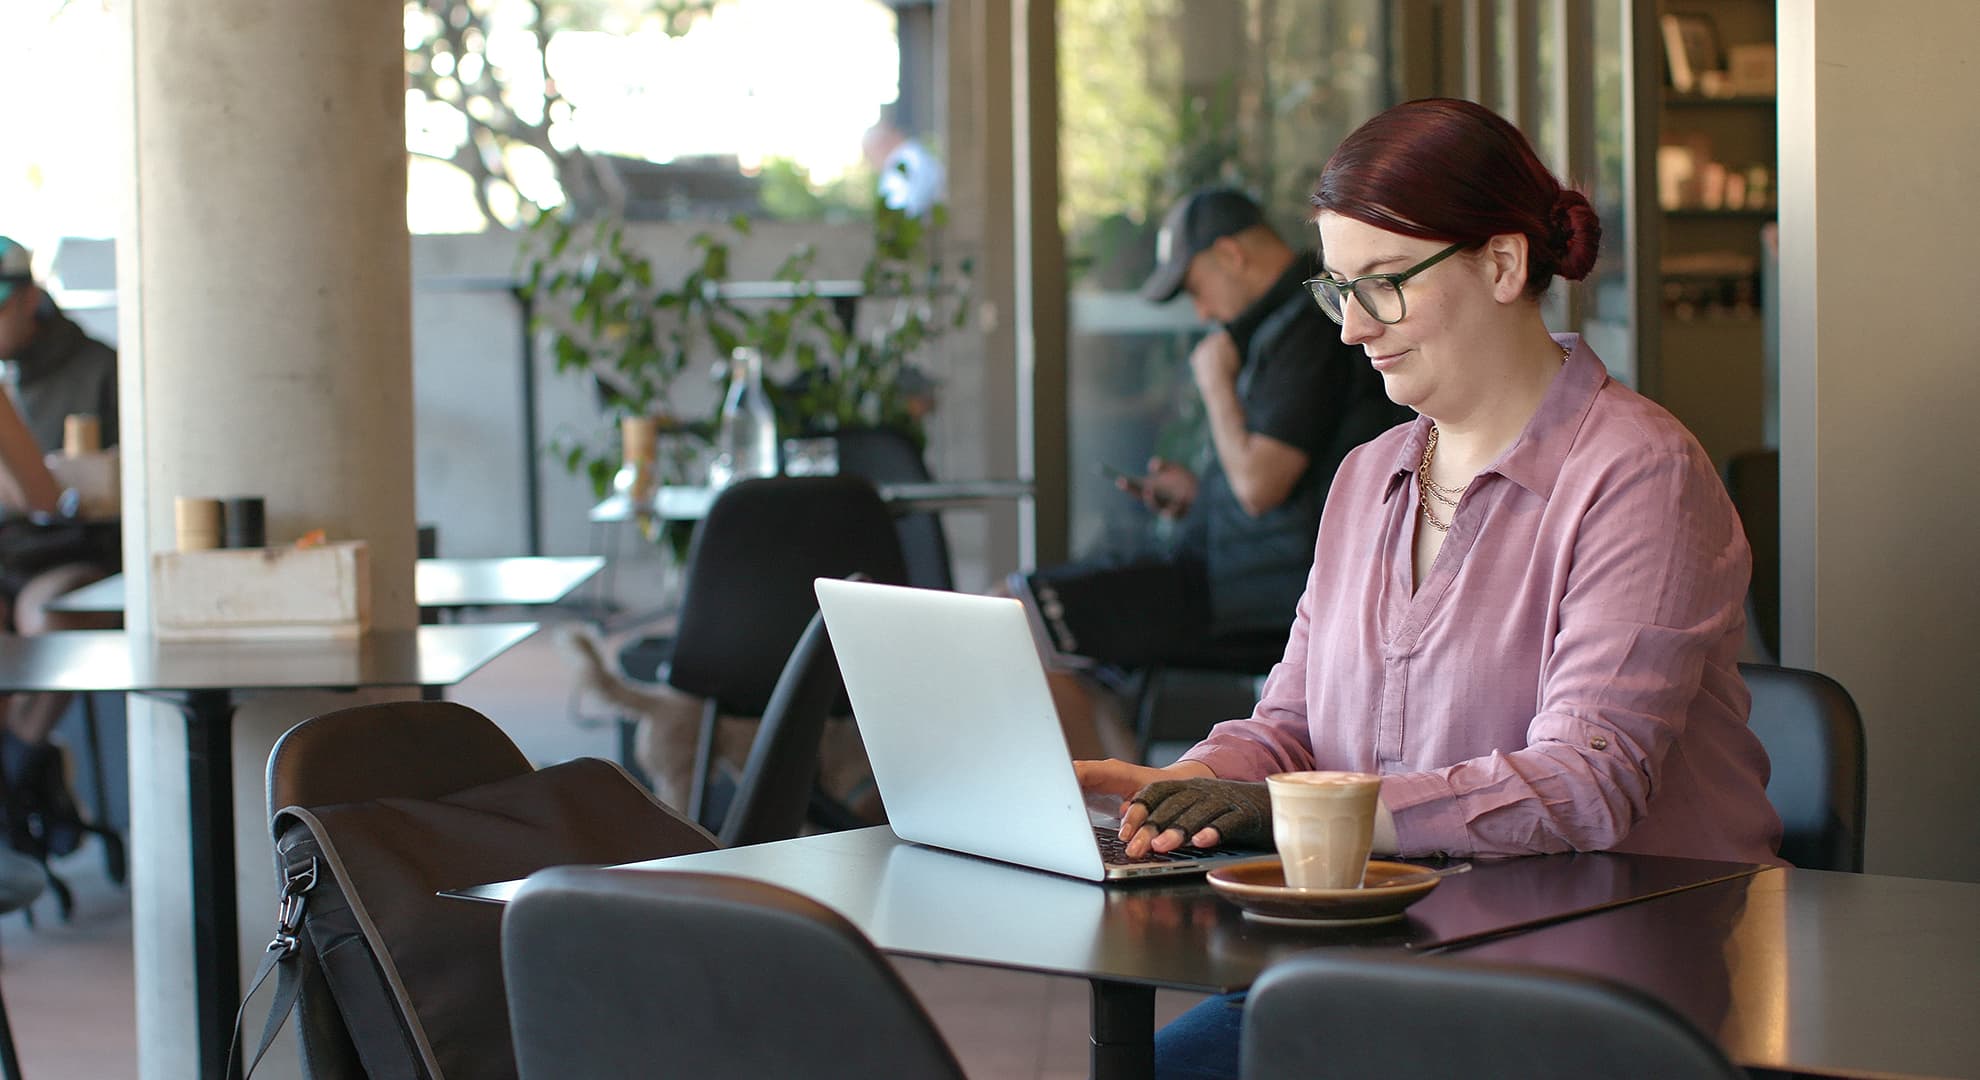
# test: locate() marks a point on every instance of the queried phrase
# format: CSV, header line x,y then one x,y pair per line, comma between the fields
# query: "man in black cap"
x,y
1285,401
60,369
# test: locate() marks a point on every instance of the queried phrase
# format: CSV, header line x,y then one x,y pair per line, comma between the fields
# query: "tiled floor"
x,y
68,987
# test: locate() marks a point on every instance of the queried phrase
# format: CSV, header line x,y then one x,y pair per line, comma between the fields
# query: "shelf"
x,y
1676,100
1738,215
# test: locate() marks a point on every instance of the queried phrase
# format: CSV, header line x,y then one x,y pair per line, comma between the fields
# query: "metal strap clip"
x,y
288,916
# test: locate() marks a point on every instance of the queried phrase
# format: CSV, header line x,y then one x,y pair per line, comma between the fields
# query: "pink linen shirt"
x,y
1566,677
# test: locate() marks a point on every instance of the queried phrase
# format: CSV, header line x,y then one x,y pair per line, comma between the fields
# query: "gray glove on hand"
x,y
1241,812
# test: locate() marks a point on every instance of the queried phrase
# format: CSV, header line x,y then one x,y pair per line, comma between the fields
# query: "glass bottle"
x,y
746,436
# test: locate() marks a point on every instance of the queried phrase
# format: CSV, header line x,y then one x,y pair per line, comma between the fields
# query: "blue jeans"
x,y
1201,1044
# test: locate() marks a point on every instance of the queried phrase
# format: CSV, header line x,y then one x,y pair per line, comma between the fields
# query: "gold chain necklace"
x,y
1428,490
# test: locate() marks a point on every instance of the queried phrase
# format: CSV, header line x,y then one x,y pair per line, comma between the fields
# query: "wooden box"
x,y
258,593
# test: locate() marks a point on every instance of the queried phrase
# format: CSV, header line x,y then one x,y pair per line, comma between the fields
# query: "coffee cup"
x,y
82,433
1323,824
197,522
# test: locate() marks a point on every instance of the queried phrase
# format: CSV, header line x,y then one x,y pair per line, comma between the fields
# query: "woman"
x,y
1525,610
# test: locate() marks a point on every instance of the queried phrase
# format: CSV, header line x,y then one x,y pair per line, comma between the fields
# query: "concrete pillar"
x,y
981,399
1879,159
265,332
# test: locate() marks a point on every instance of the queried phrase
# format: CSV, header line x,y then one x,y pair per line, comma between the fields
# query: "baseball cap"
x,y
14,267
1199,220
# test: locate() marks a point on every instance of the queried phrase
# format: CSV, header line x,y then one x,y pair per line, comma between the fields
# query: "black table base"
x,y
216,919
1123,1030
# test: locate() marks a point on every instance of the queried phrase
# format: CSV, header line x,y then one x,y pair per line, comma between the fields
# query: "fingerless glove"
x,y
1240,811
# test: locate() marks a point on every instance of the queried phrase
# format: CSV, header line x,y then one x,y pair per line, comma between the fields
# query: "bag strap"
x,y
350,970
290,954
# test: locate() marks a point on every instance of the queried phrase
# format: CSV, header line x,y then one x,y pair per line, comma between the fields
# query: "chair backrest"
x,y
1814,740
393,749
748,593
777,778
1342,1014
620,974
1753,480
888,456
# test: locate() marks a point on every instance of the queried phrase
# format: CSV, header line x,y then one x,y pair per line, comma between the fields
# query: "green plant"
x,y
611,319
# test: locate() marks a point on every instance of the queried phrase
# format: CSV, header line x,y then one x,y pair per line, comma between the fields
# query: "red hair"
x,y
1453,170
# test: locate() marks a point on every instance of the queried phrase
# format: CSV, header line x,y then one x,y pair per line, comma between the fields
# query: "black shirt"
x,y
63,371
1300,385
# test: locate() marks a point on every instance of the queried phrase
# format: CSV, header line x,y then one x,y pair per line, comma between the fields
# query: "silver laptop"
x,y
966,747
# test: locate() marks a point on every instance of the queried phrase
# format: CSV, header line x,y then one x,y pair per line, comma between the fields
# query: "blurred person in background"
x,y
910,179
58,370
1285,401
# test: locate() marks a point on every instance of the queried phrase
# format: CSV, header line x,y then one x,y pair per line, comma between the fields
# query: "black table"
x,y
1801,971
1128,940
441,584
200,679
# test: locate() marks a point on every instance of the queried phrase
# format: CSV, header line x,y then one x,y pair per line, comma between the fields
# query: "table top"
x,y
918,901
1797,970
678,503
117,660
437,583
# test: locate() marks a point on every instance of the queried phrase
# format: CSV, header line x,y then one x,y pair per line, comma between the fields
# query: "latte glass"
x,y
1324,824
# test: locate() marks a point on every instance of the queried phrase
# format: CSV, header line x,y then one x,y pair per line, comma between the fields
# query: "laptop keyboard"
x,y
1113,850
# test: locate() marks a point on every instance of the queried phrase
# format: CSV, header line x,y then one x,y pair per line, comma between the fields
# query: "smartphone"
x,y
1135,482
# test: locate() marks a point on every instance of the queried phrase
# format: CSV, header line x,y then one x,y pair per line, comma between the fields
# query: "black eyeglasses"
x,y
1380,295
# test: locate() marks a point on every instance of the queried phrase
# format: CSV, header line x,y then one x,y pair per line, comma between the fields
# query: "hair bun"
x,y
1576,234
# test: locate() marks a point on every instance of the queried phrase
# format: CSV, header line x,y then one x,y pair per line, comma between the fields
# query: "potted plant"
x,y
612,320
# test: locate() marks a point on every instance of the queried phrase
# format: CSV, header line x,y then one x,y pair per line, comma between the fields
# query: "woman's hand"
x,y
1122,779
1204,810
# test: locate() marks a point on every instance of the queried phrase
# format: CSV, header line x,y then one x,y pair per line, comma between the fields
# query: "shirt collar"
x,y
1534,459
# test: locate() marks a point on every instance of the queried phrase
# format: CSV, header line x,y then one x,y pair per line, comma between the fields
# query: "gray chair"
x,y
778,786
1342,1014
614,974
889,456
1753,480
748,594
1814,739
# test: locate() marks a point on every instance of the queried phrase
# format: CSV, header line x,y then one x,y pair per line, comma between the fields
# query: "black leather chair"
x,y
1338,1014
1753,479
778,787
748,594
888,456
615,974
1814,739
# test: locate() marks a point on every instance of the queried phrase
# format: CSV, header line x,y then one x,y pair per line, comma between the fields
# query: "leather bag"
x,y
395,982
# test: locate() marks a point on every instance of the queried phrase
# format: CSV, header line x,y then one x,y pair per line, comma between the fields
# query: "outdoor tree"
x,y
481,72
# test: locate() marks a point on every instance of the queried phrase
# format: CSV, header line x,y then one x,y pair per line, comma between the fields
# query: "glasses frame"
x,y
1350,287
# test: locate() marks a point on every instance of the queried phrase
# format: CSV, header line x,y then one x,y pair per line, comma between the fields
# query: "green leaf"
x,y
601,471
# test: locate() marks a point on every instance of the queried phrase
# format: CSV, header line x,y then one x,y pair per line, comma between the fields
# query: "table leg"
x,y
114,856
1123,1030
216,925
